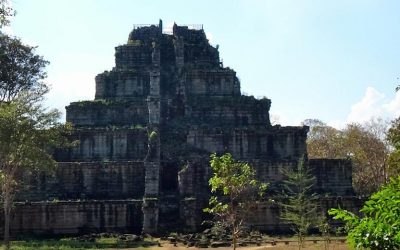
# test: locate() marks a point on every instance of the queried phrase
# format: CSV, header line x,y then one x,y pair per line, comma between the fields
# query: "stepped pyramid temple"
x,y
142,164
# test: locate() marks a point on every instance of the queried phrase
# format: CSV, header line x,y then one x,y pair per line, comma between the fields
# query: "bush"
x,y
380,226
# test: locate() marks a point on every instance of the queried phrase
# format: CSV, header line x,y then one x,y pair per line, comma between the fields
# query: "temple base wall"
x,y
126,216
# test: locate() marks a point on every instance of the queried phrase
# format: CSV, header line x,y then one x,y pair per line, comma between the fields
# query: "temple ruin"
x,y
142,164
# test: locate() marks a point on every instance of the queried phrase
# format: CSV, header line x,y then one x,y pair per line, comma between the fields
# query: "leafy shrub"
x,y
380,226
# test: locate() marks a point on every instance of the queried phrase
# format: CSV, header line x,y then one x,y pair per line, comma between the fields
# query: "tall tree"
x,y
28,133
236,189
299,203
365,144
323,141
20,69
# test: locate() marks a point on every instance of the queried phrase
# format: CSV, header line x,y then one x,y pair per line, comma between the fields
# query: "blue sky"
x,y
337,61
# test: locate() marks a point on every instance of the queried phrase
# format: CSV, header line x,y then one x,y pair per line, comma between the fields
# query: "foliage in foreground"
x,y
236,189
379,229
28,134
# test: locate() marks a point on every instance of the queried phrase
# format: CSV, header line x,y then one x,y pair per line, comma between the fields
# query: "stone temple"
x,y
142,164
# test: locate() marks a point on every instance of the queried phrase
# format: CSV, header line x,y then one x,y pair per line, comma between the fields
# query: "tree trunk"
x,y
7,209
234,240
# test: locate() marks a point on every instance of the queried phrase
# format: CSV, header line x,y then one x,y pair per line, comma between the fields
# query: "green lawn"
x,y
115,241
71,243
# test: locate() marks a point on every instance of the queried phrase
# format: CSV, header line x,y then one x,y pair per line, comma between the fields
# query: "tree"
x,y
28,133
379,229
5,13
236,190
364,144
393,137
299,204
20,68
323,141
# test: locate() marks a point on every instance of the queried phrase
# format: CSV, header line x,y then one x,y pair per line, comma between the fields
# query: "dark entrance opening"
x,y
169,177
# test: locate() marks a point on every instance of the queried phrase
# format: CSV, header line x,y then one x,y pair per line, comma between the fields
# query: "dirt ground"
x,y
279,246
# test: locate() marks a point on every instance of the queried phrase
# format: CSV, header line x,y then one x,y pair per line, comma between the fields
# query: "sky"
x,y
337,61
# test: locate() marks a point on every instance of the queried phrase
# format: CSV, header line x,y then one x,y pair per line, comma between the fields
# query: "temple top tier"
x,y
177,72
184,60
145,40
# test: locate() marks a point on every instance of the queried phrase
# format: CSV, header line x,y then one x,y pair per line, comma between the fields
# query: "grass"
x,y
311,243
113,242
309,246
71,243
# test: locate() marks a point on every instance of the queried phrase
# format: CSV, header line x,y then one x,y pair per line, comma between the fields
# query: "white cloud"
x,y
393,107
371,105
374,104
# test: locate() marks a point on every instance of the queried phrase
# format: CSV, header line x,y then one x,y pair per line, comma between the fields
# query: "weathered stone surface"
x,y
243,111
87,180
274,143
157,115
334,176
77,217
150,211
215,82
270,213
107,144
122,85
102,113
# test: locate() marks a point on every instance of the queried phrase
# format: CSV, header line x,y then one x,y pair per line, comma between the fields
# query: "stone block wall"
x,y
271,173
107,113
221,82
282,143
193,177
87,180
76,217
133,56
193,180
122,84
265,216
81,217
334,176
107,144
169,214
228,112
